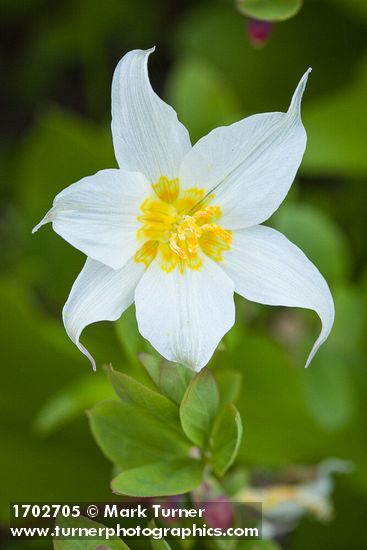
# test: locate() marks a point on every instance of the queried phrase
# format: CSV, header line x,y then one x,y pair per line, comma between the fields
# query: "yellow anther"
x,y
172,229
181,232
207,213
186,237
176,248
193,243
218,231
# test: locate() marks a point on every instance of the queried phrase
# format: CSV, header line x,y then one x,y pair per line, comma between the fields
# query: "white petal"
x,y
184,316
249,165
99,294
97,215
147,135
267,268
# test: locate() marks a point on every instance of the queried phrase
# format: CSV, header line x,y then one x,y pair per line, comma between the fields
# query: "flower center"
x,y
179,227
185,240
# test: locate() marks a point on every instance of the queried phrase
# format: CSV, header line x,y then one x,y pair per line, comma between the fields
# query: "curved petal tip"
x,y
46,219
295,106
87,354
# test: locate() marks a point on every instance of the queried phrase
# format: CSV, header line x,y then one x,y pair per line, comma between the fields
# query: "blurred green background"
x,y
57,60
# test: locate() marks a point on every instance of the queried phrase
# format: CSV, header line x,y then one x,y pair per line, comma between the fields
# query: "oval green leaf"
x,y
199,407
226,439
160,479
269,10
132,392
131,436
174,380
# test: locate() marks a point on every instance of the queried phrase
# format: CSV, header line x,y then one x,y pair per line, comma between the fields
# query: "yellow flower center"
x,y
178,227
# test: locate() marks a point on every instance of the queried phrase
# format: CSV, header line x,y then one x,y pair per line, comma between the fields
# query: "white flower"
x,y
176,228
283,504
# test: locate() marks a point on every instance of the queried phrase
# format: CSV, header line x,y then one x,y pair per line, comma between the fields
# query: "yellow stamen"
x,y
176,248
217,230
174,227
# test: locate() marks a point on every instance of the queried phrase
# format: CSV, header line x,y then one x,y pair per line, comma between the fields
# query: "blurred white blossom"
x,y
283,504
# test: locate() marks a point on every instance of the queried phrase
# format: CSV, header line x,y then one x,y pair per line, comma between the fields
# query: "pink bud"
x,y
219,513
258,32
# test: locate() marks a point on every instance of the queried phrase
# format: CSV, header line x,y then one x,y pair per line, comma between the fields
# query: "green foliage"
x,y
264,80
269,10
329,387
130,436
202,96
132,392
56,87
349,328
174,379
235,481
354,8
318,236
229,384
148,435
152,365
329,390
70,402
37,363
168,477
85,544
130,339
226,438
335,141
65,145
158,544
199,407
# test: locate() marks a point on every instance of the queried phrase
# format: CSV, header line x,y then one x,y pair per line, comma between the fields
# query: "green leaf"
x,y
226,438
85,544
199,407
133,345
158,544
71,402
235,481
171,477
269,10
132,392
36,367
229,384
130,435
128,335
174,380
152,365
